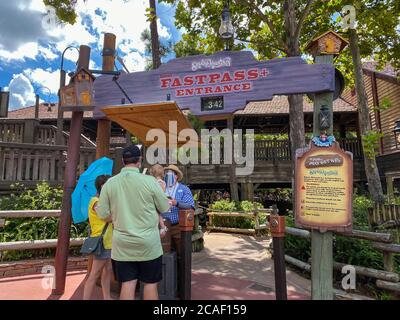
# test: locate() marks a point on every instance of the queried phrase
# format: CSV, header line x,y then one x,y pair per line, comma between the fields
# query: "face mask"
x,y
169,179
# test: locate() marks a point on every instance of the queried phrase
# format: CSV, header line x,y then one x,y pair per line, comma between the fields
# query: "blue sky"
x,y
30,53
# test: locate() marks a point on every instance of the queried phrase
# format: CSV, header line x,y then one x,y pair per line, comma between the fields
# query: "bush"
x,y
43,197
345,250
236,222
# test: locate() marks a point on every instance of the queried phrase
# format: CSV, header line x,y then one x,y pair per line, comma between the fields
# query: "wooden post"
x,y
389,186
64,225
60,113
277,224
232,170
37,106
321,243
186,223
30,130
104,125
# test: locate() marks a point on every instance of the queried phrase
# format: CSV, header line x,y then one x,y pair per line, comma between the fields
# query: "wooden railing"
x,y
47,134
385,279
33,244
11,131
271,150
33,163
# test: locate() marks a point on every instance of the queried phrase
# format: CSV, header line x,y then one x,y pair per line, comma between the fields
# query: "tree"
x,y
283,28
155,42
164,48
260,25
65,9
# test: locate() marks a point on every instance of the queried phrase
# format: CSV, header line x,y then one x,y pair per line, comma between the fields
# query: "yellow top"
x,y
97,224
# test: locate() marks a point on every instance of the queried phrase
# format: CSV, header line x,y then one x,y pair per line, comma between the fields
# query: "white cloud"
x,y
21,90
45,78
135,61
125,18
27,50
163,31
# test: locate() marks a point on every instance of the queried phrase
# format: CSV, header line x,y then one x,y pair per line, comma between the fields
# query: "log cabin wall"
x,y
391,92
381,88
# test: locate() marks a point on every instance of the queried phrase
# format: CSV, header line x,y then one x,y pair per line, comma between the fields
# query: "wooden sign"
x,y
324,188
231,78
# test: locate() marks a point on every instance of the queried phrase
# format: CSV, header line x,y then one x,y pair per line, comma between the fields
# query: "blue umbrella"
x,y
85,189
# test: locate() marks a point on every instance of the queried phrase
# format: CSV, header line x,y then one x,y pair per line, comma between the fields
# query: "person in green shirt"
x,y
132,201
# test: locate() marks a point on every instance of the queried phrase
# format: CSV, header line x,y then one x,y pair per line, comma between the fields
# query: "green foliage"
x,y
370,142
346,250
223,205
43,197
236,222
165,47
196,123
65,9
278,136
385,104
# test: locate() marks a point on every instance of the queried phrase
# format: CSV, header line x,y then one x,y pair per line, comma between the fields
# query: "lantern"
x,y
78,95
396,132
226,28
324,118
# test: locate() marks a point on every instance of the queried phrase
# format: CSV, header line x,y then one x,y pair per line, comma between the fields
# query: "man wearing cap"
x,y
132,201
180,198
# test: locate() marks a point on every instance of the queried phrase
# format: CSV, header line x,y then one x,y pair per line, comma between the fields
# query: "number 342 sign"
x,y
324,188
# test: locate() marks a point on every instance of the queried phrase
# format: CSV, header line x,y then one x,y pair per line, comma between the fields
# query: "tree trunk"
x,y
296,114
371,168
155,44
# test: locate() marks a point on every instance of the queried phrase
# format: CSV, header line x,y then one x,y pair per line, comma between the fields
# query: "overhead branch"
x,y
303,17
265,18
267,44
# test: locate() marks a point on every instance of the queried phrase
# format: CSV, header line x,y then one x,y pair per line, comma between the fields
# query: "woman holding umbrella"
x,y
101,262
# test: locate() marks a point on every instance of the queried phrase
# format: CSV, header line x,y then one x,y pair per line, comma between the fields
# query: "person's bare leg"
x,y
150,291
128,290
95,272
106,280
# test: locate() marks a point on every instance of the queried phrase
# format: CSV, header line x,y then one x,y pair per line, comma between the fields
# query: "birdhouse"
x,y
79,93
329,43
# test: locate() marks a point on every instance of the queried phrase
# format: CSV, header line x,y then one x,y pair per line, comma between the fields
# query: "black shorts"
x,y
144,271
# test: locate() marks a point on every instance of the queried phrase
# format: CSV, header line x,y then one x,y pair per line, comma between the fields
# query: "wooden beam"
x,y
388,285
298,232
36,244
366,235
370,272
30,213
104,125
393,248
232,169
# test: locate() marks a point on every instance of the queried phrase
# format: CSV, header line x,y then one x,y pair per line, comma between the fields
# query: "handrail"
x,y
40,147
386,279
11,214
33,244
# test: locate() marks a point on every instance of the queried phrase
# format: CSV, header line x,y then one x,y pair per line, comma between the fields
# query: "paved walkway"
x,y
231,267
241,267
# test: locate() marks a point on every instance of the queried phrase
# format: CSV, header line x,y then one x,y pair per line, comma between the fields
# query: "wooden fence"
x,y
34,163
33,244
12,131
30,131
251,215
384,216
385,279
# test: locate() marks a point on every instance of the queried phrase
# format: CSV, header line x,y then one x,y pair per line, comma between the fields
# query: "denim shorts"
x,y
106,254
